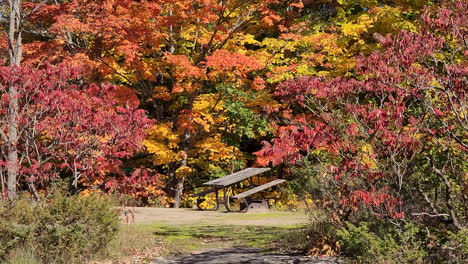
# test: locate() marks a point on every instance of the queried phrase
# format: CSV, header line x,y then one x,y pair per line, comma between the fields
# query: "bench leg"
x,y
227,199
232,205
201,199
246,208
217,200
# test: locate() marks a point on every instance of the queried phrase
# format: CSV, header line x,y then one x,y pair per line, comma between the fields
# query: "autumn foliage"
x,y
70,129
362,104
389,137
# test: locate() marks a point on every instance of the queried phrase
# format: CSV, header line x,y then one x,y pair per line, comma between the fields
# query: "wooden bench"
x,y
203,193
200,199
258,189
236,177
228,185
263,203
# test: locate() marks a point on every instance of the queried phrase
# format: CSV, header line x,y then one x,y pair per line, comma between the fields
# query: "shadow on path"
x,y
237,255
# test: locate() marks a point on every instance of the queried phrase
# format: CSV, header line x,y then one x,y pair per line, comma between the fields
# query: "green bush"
x,y
455,248
382,244
373,240
17,223
359,241
63,230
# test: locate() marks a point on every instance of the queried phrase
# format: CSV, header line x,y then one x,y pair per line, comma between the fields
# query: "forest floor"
x,y
163,235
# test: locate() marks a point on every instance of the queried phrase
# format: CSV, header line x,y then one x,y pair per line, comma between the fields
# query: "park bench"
x,y
249,204
232,201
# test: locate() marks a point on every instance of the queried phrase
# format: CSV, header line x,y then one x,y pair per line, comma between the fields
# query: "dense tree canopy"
x,y
69,129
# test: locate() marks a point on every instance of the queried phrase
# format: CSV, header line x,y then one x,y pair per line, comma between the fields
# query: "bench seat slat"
x,y
258,189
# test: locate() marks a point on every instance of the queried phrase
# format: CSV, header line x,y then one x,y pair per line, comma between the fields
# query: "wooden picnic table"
x,y
235,201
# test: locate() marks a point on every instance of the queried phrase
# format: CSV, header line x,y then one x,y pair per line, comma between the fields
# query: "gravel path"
x,y
239,255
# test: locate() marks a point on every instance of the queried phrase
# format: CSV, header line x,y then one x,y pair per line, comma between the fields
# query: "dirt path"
x,y
144,215
192,236
239,255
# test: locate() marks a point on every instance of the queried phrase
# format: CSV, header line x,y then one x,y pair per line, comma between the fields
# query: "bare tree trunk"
x,y
180,180
15,42
178,192
2,182
15,50
180,184
171,35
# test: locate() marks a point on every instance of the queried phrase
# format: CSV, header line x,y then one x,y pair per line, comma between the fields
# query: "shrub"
x,y
382,244
16,225
455,248
359,241
64,230
75,227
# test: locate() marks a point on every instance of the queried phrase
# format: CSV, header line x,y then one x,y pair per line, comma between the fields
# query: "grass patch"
x,y
23,255
183,239
166,238
133,245
261,216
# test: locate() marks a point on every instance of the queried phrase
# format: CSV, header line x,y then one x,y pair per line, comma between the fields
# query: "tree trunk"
x,y
178,192
181,179
15,52
15,41
180,184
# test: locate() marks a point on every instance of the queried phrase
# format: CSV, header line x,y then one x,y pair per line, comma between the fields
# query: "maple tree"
x,y
53,127
322,38
390,137
184,60
69,130
203,69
